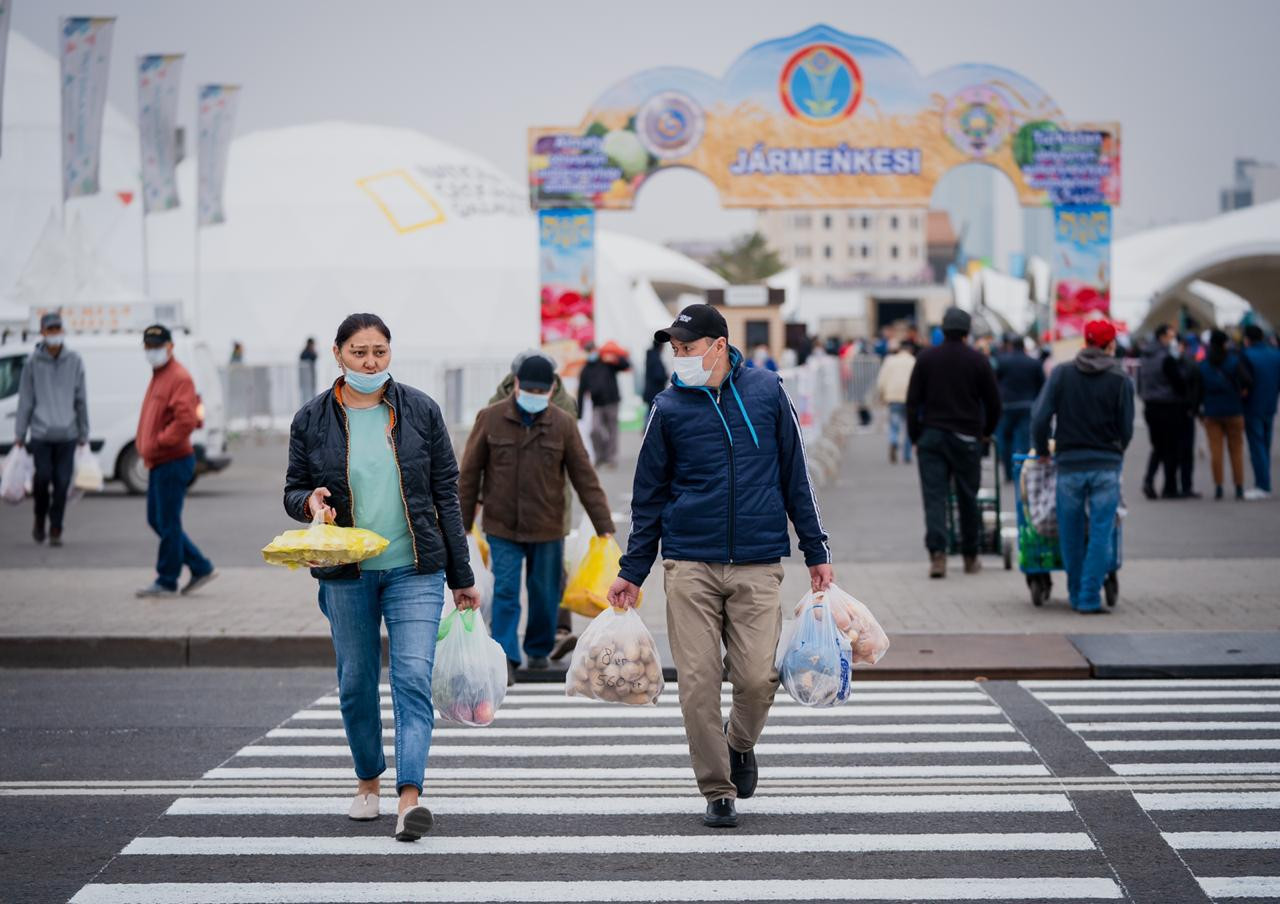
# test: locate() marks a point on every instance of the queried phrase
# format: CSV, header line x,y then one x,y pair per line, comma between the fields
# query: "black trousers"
x,y
1186,431
1164,424
55,463
946,459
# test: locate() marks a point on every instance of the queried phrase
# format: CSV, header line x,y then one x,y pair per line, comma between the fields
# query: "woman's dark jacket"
x,y
318,451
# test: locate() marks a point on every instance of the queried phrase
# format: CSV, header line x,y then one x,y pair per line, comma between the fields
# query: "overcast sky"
x,y
1194,84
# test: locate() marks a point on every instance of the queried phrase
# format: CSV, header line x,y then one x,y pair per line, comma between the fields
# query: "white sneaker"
x,y
413,824
364,807
1256,495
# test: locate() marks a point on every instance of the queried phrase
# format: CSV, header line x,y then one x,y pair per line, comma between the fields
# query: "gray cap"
x,y
956,320
51,321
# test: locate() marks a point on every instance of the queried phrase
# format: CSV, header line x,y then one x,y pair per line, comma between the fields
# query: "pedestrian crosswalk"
x,y
915,791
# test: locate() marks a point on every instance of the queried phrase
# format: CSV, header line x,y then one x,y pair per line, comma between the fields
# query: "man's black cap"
x,y
536,373
697,321
51,321
156,335
956,321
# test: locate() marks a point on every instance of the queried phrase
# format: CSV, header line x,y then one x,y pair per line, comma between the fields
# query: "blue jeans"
x,y
410,603
1087,503
1258,430
546,566
897,429
1013,436
166,492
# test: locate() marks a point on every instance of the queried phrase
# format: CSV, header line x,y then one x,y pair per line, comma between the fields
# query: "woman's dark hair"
x,y
357,322
1217,347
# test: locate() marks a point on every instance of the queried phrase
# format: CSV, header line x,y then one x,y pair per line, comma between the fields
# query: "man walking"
x,y
599,382
1020,380
721,468
1260,407
953,405
1092,401
53,408
169,416
891,385
517,456
1162,385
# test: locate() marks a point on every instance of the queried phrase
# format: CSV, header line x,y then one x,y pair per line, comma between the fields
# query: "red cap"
x,y
1099,333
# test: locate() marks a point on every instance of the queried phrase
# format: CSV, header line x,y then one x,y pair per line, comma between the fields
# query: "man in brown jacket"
x,y
518,453
169,415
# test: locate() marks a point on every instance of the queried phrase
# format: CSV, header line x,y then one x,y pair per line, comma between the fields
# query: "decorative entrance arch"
x,y
827,119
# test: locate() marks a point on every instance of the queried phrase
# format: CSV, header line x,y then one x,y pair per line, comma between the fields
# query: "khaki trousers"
x,y
710,604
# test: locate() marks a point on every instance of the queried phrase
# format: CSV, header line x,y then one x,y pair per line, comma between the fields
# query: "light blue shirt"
x,y
375,486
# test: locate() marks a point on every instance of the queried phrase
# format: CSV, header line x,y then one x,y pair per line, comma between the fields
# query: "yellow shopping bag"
x,y
482,543
323,545
587,592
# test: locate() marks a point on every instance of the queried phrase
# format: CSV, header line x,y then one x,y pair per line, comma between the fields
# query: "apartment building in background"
x,y
851,247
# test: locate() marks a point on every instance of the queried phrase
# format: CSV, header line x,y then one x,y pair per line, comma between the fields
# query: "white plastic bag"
x,y
469,679
832,633
577,544
1039,479
88,473
616,661
483,576
16,477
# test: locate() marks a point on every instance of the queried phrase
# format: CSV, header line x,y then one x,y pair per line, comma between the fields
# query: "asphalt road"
x,y
872,513
1156,792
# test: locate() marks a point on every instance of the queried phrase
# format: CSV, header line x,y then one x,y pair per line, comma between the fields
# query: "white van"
x,y
116,376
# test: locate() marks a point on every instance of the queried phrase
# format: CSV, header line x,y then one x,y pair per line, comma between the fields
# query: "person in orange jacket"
x,y
169,415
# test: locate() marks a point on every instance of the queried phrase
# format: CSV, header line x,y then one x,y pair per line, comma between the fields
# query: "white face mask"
x,y
690,370
53,340
157,357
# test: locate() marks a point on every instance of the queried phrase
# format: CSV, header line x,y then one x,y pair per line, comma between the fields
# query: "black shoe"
x,y
1149,491
539,663
743,771
511,673
1170,494
1188,494
566,641
55,536
721,814
1217,492
1239,493
37,532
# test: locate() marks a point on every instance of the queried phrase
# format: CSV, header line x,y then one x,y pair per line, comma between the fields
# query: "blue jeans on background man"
x,y
1258,431
546,563
1013,436
166,492
898,430
1087,503
410,603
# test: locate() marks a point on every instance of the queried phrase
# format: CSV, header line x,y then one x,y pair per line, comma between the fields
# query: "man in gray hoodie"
x,y
52,406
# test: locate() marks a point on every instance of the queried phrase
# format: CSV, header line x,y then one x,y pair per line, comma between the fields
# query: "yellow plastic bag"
x,y
323,545
482,543
587,592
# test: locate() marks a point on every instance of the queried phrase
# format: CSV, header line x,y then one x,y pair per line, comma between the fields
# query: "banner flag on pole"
x,y
217,120
85,55
158,77
6,7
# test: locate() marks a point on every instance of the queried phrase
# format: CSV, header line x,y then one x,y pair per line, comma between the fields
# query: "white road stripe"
x,y
1040,888
1171,694
609,844
781,700
1173,726
602,712
1242,800
1186,744
570,775
670,687
1084,684
648,806
672,731
1196,768
1102,709
1223,841
1242,887
623,750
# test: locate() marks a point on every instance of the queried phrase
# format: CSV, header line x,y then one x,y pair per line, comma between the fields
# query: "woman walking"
x,y
373,453
1225,379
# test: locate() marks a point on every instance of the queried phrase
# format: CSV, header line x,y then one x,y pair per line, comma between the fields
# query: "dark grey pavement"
x,y
231,786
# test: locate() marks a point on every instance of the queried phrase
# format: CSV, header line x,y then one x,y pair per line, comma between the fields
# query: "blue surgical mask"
x,y
532,402
594,356
367,383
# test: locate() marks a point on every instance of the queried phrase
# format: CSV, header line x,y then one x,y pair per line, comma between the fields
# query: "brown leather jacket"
x,y
523,473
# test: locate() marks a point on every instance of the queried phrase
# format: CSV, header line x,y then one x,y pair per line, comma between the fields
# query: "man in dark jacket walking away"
x,y
1020,379
655,372
169,416
518,454
1092,401
599,382
53,408
721,468
953,406
1163,389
